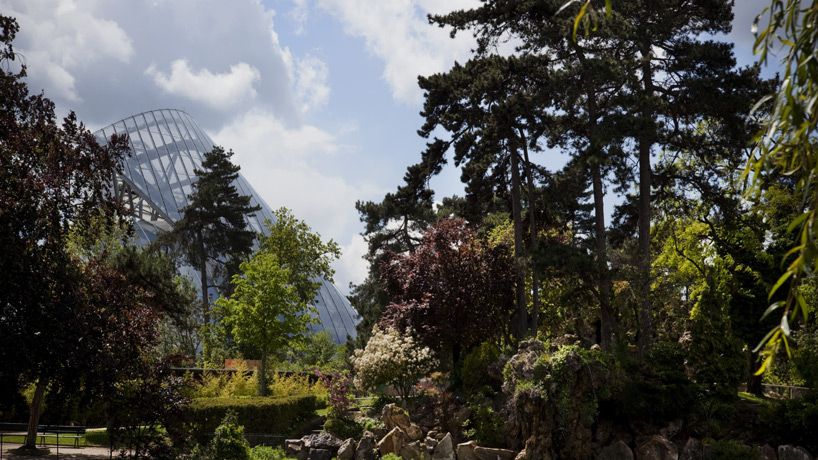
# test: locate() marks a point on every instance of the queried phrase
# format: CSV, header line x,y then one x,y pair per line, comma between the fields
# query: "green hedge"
x,y
269,415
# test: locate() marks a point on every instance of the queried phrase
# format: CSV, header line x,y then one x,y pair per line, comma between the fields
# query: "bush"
x,y
667,359
267,453
269,415
293,384
224,385
805,357
484,426
473,374
229,442
730,450
793,421
343,428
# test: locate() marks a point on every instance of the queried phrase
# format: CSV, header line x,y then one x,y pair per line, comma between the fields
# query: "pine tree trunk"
x,y
754,382
203,274
34,414
645,175
535,279
522,307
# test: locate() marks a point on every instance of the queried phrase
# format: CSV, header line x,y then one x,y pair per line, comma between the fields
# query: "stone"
x,y
766,452
347,450
294,448
488,453
393,415
322,441
411,451
430,442
465,450
521,456
413,432
616,451
672,429
788,452
693,449
392,442
444,449
365,450
320,454
657,448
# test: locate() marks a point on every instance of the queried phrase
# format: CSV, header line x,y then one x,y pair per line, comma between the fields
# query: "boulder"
x,y
521,456
616,451
444,449
393,415
393,442
657,448
294,448
347,450
411,451
766,452
430,442
488,453
320,454
322,441
672,429
365,450
788,452
693,449
465,451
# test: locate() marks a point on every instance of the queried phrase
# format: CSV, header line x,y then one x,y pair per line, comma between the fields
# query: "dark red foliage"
x,y
455,290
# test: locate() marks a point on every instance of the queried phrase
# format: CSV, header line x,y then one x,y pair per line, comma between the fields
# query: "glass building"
x,y
166,146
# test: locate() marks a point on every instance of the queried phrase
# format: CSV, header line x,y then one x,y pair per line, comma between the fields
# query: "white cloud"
x,y
217,90
311,83
352,267
398,33
68,40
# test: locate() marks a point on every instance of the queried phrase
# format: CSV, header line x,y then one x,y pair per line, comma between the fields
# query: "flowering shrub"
x,y
338,385
391,358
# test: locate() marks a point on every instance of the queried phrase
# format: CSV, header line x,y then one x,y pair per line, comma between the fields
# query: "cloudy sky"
x,y
318,98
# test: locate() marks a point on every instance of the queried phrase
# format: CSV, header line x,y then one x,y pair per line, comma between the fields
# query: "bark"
x,y
262,378
522,307
645,175
203,272
34,415
535,279
754,382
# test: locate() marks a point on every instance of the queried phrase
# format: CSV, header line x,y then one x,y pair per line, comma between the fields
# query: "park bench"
x,y
13,429
65,431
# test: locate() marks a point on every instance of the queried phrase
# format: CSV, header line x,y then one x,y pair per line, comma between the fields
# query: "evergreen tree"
x,y
212,235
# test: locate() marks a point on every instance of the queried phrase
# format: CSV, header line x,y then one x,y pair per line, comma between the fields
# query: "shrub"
x,y
268,415
338,386
267,453
391,358
793,421
344,428
229,442
473,373
293,384
484,426
224,385
391,456
731,450
805,357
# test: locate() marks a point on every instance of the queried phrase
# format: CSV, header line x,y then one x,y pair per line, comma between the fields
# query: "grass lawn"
x,y
751,397
92,438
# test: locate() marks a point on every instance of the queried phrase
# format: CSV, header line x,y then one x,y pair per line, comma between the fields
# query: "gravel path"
x,y
11,452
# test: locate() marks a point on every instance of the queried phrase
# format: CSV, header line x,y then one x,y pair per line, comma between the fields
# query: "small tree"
x,y
392,358
264,311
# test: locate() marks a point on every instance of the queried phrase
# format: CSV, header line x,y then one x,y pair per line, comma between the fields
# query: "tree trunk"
x,y
645,141
754,382
262,378
532,225
34,414
522,307
203,274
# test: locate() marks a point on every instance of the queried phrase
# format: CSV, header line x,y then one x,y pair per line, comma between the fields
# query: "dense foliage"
x,y
270,415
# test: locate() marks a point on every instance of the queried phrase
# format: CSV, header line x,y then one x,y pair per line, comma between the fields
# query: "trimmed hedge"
x,y
268,415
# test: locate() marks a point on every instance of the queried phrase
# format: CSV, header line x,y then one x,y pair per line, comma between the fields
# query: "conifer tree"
x,y
212,235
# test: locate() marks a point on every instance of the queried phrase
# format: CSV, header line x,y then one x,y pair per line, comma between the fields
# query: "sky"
x,y
317,98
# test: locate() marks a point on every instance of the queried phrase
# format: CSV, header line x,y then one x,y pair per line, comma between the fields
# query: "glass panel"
x,y
161,164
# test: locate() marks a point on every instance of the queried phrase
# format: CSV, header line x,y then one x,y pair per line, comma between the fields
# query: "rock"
x,y
788,452
766,452
521,456
444,449
411,451
488,453
365,450
294,448
393,442
671,429
657,448
320,454
616,451
347,450
693,449
413,432
322,441
393,415
430,442
465,450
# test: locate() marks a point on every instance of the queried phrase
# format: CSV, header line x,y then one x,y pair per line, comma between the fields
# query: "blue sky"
x,y
318,98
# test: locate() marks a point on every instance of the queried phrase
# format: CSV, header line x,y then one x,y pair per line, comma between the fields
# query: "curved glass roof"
x,y
166,146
